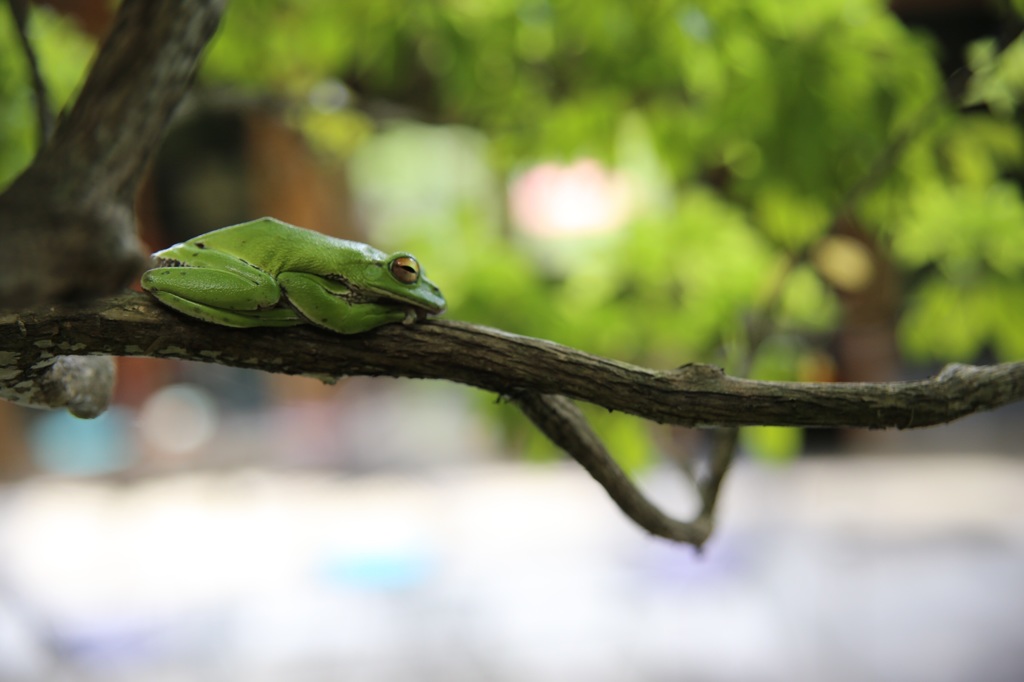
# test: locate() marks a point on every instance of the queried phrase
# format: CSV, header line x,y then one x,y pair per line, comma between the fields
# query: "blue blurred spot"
x,y
377,571
63,444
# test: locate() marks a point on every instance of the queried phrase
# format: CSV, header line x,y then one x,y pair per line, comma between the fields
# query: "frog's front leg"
x,y
323,302
218,288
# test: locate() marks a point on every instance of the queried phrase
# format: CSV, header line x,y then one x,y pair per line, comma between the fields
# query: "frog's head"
x,y
403,280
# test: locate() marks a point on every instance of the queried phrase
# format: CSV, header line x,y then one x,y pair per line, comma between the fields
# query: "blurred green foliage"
x,y
63,54
743,129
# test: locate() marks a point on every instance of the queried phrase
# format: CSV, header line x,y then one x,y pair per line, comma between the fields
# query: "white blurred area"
x,y
432,559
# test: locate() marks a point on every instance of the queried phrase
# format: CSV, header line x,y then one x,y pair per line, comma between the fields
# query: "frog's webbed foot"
x,y
411,315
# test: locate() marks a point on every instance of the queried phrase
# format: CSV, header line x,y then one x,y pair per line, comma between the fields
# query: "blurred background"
x,y
820,190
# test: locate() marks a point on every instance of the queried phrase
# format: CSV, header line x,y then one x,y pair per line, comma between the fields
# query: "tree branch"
x,y
494,360
562,422
539,376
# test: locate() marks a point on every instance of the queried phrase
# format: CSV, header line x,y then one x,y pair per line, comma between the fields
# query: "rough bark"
x,y
494,360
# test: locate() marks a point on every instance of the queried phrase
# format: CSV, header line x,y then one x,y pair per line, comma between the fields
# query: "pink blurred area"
x,y
553,200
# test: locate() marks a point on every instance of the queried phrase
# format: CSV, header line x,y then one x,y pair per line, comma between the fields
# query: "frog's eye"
x,y
405,269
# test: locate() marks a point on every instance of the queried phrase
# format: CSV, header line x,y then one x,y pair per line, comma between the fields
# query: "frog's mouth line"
x,y
410,307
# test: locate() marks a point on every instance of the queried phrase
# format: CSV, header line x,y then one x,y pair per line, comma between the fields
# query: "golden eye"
x,y
405,269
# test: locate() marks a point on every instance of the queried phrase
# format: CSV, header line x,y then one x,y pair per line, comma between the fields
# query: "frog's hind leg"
x,y
220,289
272,317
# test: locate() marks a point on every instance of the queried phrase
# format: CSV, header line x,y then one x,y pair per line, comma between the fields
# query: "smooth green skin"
x,y
266,273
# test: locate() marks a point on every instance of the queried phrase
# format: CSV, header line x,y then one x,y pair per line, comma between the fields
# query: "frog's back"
x,y
282,246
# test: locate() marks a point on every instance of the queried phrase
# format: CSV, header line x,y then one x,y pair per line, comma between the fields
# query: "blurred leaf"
x,y
944,320
338,133
286,46
949,321
776,360
773,443
627,438
807,302
963,228
792,220
63,53
1008,319
997,78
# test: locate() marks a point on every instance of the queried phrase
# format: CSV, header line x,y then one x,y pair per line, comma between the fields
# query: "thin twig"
x,y
723,449
563,423
44,114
